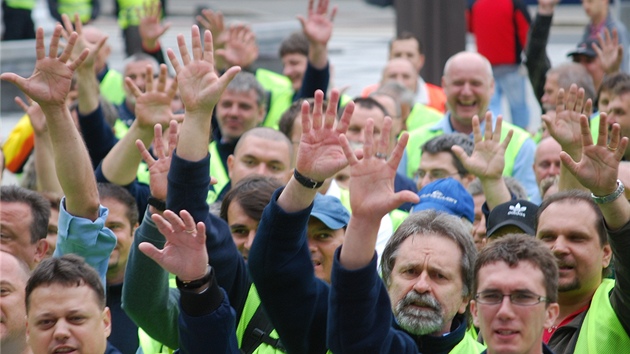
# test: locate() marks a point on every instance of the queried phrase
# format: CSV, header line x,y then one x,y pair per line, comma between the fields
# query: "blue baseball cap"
x,y
330,211
447,195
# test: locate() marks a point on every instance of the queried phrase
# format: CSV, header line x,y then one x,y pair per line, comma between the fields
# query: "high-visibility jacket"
x,y
112,87
422,115
70,7
21,4
281,95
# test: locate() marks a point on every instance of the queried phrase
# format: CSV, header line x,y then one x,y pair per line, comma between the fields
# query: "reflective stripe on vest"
x,y
601,331
420,136
70,7
422,115
112,87
281,91
127,15
251,304
21,4
218,171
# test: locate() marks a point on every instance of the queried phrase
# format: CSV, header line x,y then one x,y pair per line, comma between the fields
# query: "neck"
x,y
459,127
570,302
600,18
15,345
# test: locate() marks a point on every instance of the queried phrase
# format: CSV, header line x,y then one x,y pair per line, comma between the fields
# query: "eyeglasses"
x,y
433,174
520,298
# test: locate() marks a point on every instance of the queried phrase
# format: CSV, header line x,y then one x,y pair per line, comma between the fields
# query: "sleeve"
x,y
280,264
147,298
620,296
158,54
217,318
88,239
522,21
98,136
96,9
360,296
536,59
54,12
188,183
523,170
314,79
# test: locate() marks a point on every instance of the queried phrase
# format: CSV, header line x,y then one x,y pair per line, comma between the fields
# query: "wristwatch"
x,y
305,181
157,203
195,284
611,197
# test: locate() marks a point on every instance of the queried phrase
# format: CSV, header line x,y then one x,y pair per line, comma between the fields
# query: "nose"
x,y
559,246
505,311
480,229
554,170
262,169
422,284
425,180
62,331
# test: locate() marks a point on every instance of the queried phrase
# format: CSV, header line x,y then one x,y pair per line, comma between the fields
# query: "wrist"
x,y
607,196
196,282
306,181
151,46
546,10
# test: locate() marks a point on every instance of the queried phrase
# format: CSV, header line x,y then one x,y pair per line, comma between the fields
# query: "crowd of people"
x,y
225,208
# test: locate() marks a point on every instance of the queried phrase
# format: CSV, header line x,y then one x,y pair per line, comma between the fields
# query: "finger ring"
x,y
380,155
611,149
190,231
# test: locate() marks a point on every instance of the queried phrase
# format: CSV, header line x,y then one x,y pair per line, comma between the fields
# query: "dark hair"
x,y
431,222
252,193
120,194
620,83
404,35
367,103
444,143
516,248
572,197
265,133
69,271
296,42
39,206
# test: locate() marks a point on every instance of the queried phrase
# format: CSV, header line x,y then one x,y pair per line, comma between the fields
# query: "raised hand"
x,y
82,43
241,48
488,157
150,26
50,82
318,24
213,22
565,127
319,155
184,253
35,115
598,166
158,169
609,51
372,177
153,106
199,85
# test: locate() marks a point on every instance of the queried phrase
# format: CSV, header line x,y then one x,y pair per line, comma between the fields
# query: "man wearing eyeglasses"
x,y
516,294
438,161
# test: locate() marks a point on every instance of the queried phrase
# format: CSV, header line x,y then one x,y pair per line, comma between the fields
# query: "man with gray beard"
x,y
427,268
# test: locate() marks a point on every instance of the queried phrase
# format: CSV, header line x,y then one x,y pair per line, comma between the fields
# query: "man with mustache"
x,y
584,232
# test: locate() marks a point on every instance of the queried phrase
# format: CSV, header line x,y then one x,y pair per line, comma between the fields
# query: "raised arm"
x,y
45,171
565,129
120,166
488,160
537,61
151,28
318,28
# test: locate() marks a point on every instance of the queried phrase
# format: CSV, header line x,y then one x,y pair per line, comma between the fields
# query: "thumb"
x,y
225,79
568,162
461,155
15,79
151,251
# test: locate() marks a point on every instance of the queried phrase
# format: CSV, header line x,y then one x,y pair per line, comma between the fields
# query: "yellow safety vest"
x,y
112,87
21,4
251,305
468,345
218,171
281,91
70,7
127,15
420,136
422,115
601,331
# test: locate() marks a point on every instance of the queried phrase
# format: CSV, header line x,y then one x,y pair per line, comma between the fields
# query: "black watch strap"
x,y
157,203
194,284
305,181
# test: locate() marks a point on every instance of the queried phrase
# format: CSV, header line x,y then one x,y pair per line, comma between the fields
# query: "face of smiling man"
x,y
468,85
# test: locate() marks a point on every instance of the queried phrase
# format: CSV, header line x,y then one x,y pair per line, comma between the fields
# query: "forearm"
x,y
72,163
359,243
537,61
296,197
616,213
88,89
495,191
147,298
314,79
318,55
194,136
45,171
620,296
99,137
120,166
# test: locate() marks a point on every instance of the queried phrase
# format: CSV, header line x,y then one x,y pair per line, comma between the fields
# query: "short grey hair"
x,y
134,58
398,91
431,222
244,82
574,73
